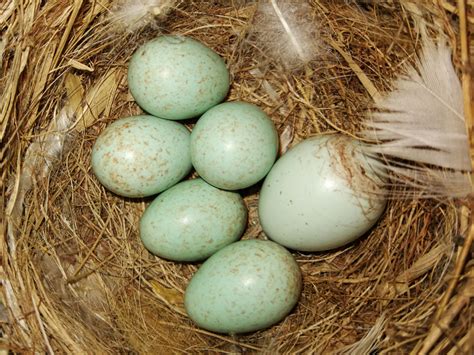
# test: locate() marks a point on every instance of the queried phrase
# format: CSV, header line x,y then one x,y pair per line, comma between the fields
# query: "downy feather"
x,y
132,15
287,32
420,130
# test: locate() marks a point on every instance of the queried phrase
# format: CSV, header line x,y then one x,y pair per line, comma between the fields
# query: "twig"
x,y
466,72
452,9
458,269
468,118
466,343
366,82
459,302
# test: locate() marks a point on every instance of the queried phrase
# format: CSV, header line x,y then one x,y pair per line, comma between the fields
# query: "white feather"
x,y
419,127
132,15
288,32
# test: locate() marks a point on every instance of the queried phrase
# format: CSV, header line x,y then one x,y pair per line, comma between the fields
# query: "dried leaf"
x,y
171,296
424,264
286,137
75,91
369,342
98,99
79,66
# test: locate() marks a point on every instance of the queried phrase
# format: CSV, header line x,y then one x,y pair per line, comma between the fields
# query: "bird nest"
x,y
75,276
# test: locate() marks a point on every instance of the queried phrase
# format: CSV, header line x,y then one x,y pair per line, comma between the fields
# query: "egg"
x,y
192,220
322,194
234,145
246,286
177,77
141,155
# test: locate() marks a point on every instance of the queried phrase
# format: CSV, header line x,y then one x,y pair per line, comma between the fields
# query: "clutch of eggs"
x,y
321,194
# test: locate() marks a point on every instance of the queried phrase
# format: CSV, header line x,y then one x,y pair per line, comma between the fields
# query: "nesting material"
x,y
75,275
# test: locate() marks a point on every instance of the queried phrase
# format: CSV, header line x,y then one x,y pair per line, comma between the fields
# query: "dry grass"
x,y
75,276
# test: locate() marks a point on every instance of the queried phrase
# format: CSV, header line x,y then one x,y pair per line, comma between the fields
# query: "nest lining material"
x,y
75,275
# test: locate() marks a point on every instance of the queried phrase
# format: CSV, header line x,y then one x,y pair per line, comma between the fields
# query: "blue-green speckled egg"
x,y
246,286
321,194
141,156
234,145
176,77
192,220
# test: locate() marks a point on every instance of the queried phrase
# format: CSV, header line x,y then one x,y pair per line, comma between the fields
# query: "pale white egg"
x,y
322,194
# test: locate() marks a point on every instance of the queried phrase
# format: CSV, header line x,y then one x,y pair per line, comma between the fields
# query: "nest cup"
x,y
75,276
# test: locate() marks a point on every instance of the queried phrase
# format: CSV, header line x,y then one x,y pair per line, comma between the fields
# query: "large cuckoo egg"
x,y
322,194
